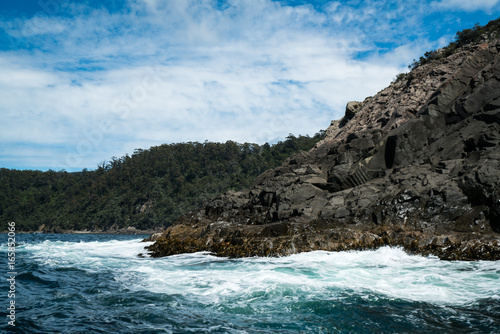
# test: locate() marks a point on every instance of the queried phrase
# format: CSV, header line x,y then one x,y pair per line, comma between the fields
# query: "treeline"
x,y
462,38
147,190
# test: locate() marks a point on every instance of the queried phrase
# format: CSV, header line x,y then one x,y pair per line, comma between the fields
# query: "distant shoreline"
x,y
129,232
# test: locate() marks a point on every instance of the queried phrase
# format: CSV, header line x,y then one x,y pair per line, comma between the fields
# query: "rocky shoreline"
x,y
442,247
415,166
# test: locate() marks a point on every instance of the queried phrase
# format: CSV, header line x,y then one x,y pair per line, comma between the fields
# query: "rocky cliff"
x,y
417,165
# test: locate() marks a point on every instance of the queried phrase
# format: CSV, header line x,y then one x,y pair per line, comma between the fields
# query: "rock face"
x,y
417,165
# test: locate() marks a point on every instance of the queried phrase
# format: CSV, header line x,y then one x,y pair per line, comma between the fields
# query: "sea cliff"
x,y
417,166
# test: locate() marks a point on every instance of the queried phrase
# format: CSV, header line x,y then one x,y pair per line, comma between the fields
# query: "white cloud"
x,y
101,84
468,5
32,27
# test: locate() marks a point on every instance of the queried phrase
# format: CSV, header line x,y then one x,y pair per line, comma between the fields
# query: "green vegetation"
x,y
147,190
462,38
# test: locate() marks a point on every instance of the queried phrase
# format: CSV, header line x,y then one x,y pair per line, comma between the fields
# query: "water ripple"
x,y
97,284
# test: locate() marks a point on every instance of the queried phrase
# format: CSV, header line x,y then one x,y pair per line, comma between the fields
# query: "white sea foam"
x,y
384,273
93,255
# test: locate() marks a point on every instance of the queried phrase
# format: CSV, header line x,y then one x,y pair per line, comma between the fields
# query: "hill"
x,y
417,165
144,192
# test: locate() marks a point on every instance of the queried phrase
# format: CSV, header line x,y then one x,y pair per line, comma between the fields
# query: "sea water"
x,y
98,284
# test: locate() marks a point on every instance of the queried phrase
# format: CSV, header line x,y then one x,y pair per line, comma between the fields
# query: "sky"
x,y
83,81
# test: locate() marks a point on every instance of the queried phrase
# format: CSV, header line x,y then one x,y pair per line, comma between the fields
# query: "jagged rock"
x,y
417,165
350,111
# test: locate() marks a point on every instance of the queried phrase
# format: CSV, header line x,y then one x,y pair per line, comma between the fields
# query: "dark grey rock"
x,y
416,165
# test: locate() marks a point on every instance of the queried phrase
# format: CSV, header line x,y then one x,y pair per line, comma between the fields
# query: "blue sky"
x,y
82,81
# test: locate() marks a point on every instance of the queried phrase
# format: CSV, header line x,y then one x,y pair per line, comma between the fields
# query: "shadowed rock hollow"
x,y
417,165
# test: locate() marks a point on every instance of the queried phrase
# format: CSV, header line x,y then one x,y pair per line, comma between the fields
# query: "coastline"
x,y
415,166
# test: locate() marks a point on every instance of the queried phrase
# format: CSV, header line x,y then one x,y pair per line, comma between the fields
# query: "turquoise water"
x,y
97,284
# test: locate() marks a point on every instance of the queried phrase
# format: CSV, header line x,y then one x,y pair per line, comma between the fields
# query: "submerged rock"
x,y
417,166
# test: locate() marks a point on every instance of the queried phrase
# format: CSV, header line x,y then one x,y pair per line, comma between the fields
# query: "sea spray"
x,y
98,283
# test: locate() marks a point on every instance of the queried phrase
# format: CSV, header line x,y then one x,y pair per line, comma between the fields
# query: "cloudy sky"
x,y
82,81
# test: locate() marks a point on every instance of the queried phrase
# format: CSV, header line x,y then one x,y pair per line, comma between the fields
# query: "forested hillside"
x,y
147,190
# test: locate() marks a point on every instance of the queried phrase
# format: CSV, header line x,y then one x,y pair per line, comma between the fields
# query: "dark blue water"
x,y
97,284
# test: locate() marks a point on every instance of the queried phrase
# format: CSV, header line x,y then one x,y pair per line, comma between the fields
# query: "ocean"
x,y
81,283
